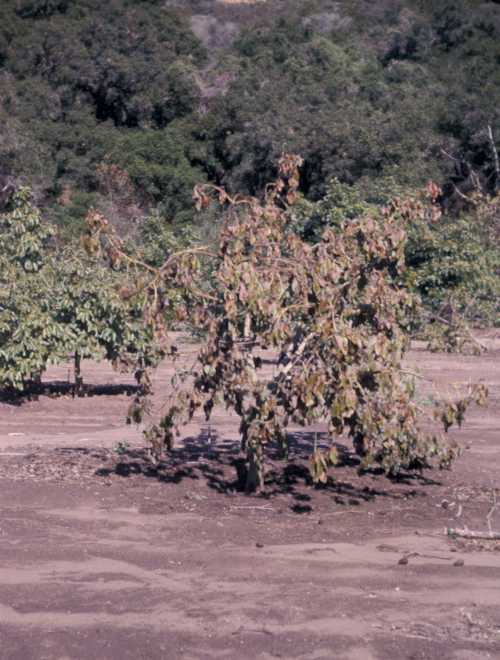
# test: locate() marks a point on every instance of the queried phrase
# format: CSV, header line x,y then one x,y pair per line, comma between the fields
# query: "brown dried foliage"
x,y
336,314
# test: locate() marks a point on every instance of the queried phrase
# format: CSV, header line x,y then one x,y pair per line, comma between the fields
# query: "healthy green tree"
x,y
55,303
452,260
96,322
29,337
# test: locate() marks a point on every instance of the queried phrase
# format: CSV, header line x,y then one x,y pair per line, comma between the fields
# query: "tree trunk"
x,y
255,472
359,445
78,375
34,385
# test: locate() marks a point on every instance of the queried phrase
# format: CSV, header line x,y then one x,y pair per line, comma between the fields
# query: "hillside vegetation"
x,y
381,95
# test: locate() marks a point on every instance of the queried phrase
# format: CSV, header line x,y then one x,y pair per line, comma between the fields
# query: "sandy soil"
x,y
104,556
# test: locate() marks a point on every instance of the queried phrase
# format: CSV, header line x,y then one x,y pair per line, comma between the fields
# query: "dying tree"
x,y
335,313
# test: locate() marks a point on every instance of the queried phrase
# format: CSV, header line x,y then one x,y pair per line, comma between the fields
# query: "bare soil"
x,y
103,555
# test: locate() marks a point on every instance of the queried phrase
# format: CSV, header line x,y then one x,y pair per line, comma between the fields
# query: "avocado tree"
x,y
55,303
335,313
454,265
452,259
97,322
29,336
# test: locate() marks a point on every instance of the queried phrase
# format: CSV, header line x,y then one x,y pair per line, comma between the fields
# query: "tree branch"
x,y
496,160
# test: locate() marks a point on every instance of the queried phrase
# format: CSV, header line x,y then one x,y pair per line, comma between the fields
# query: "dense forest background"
x,y
124,105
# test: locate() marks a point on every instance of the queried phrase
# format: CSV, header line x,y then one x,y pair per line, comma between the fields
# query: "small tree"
x,y
335,313
452,260
29,337
97,322
54,303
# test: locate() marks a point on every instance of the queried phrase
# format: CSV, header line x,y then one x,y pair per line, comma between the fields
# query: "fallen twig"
x,y
415,375
470,534
492,511
257,508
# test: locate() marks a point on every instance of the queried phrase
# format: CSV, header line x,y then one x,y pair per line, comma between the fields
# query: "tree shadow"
x,y
58,388
222,467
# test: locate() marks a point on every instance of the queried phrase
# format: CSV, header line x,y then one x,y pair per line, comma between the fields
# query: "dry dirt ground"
x,y
104,556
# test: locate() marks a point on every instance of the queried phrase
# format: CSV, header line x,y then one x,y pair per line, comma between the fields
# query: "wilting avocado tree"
x,y
335,313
